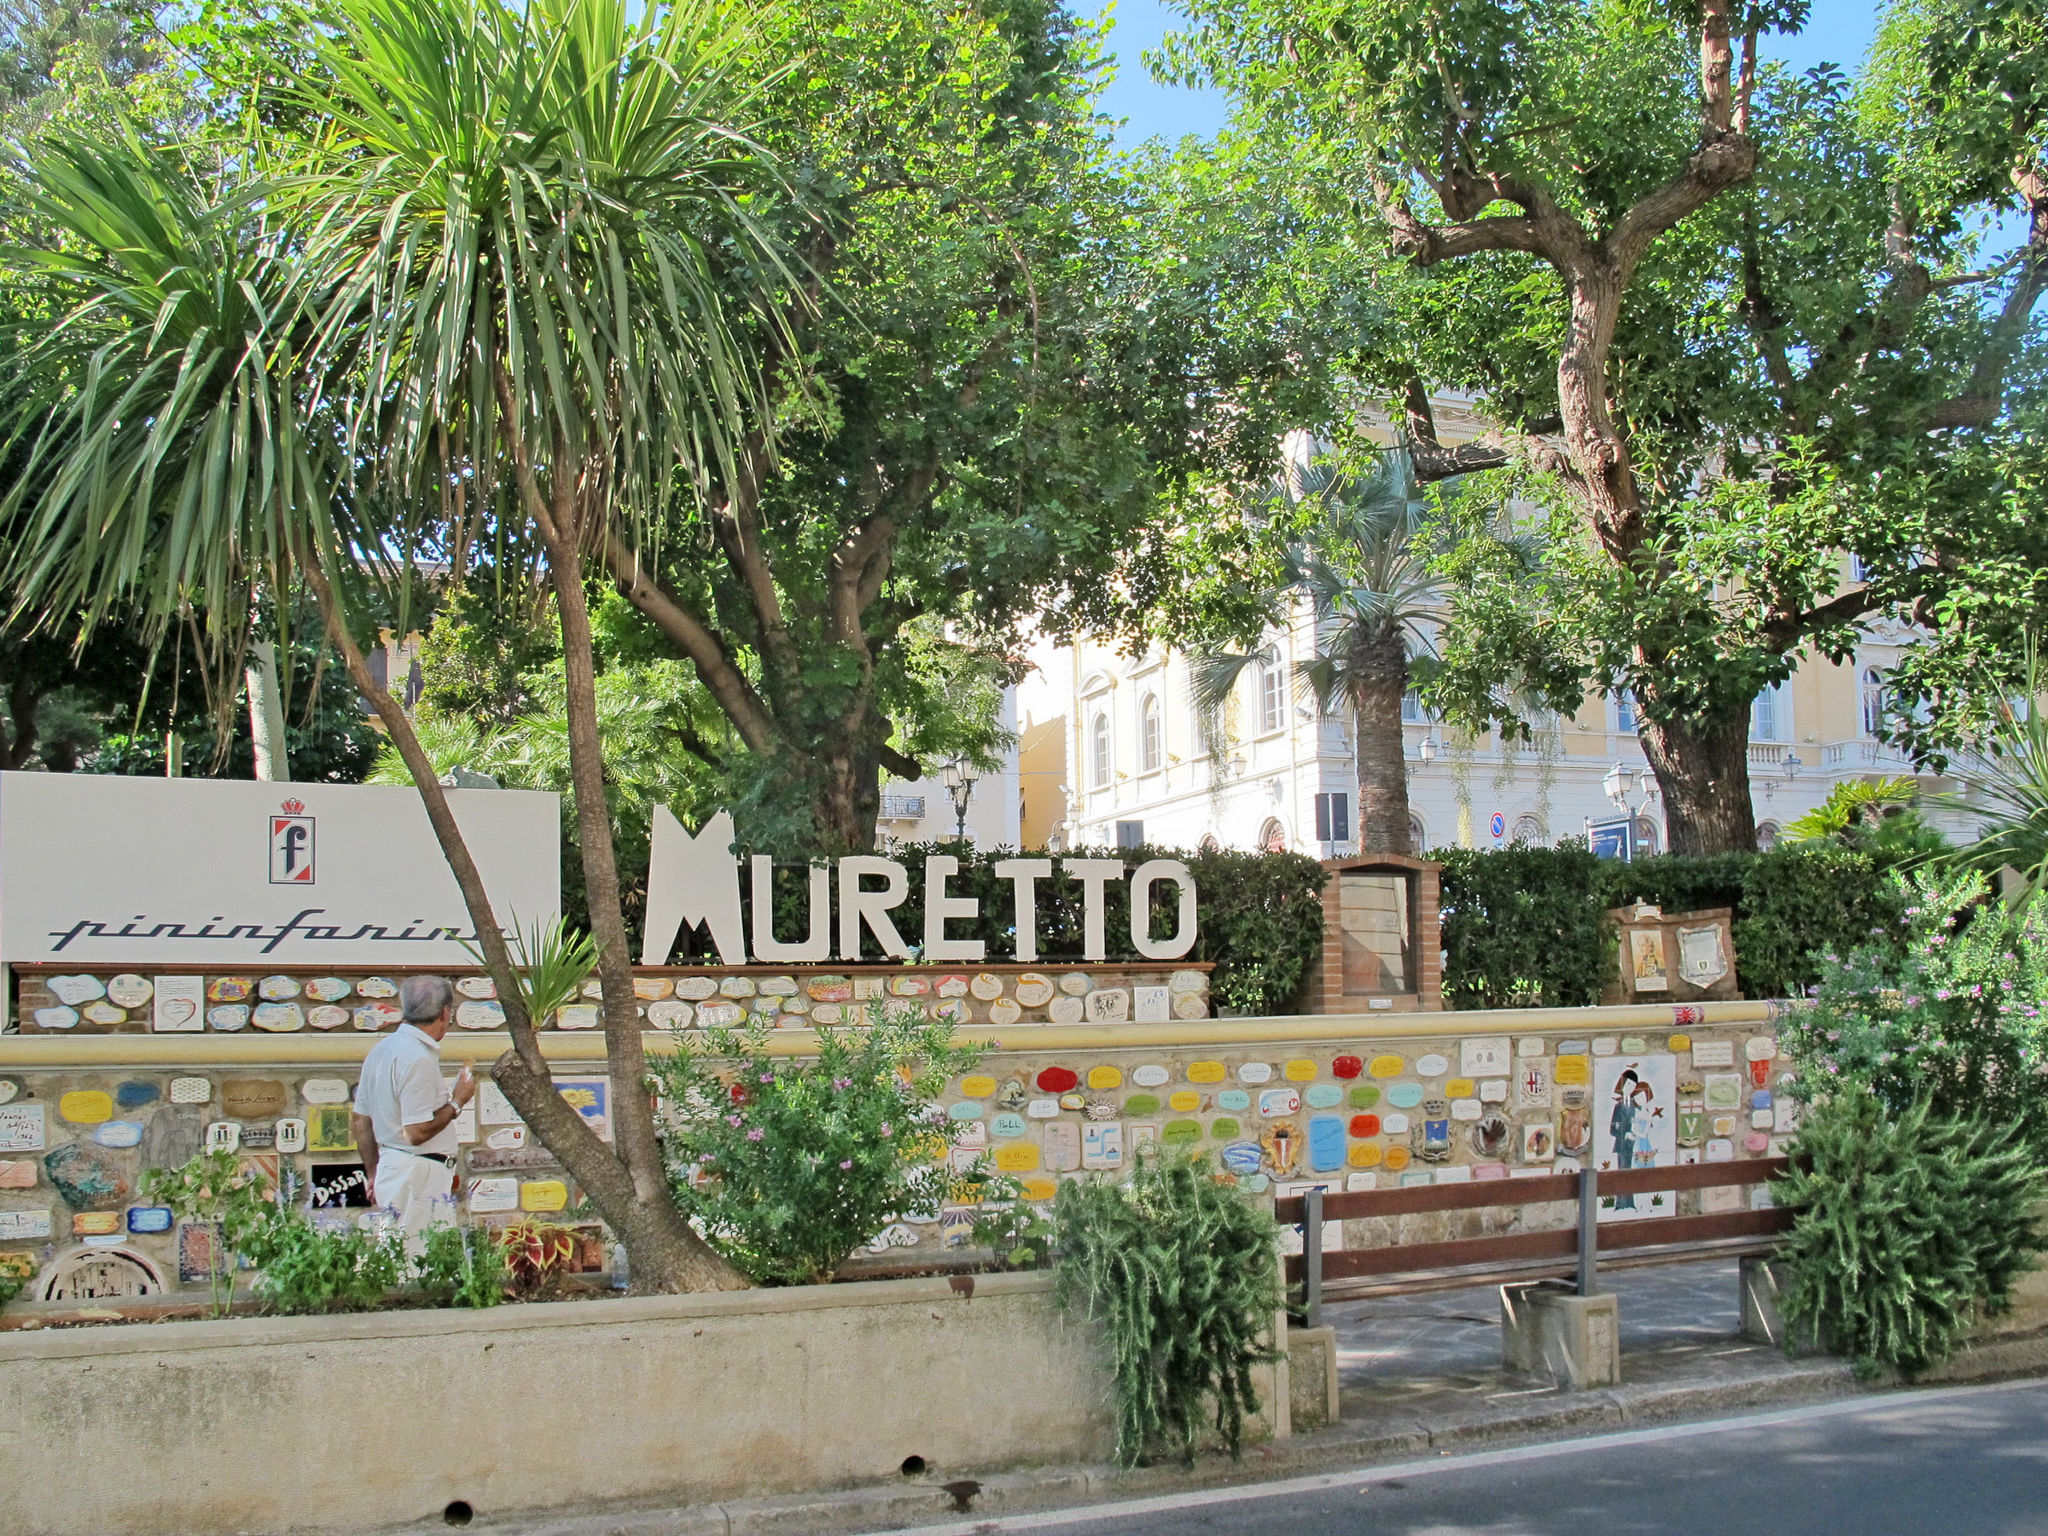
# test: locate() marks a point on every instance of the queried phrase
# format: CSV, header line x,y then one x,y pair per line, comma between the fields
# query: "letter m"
x,y
692,880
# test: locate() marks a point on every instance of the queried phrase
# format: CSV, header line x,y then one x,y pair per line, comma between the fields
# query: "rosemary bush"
x,y
1905,1225
1181,1269
788,1165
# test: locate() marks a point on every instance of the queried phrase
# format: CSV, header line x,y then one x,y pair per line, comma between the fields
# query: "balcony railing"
x,y
902,808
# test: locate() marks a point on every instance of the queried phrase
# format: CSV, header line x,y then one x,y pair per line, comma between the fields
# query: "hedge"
x,y
1260,915
1522,927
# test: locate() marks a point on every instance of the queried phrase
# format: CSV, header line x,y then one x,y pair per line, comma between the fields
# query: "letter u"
x,y
770,950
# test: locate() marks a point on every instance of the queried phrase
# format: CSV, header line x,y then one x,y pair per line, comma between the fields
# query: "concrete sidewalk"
x,y
1418,1375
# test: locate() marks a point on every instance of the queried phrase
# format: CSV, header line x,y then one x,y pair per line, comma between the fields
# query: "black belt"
x,y
433,1157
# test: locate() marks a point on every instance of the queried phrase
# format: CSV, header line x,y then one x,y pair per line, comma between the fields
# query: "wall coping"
x,y
439,1322
304,1048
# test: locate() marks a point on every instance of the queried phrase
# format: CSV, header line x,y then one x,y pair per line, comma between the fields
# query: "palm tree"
x,y
2010,786
1367,563
524,233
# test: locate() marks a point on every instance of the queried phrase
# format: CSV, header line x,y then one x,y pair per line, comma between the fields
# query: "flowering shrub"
x,y
1949,1012
788,1165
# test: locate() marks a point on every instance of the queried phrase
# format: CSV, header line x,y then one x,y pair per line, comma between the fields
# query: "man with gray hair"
x,y
404,1113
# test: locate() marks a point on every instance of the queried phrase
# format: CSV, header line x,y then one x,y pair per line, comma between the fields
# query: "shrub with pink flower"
x,y
789,1164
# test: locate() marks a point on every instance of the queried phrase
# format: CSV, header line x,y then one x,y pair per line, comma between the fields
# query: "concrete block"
x,y
1762,1282
1548,1329
1312,1378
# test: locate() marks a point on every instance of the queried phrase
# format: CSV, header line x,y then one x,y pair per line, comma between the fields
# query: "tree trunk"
x,y
665,1252
266,714
1703,774
849,799
658,1241
1379,666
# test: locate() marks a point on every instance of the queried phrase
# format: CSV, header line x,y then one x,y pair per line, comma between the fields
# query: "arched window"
x,y
1646,837
1873,701
1151,736
1272,682
1418,839
1528,830
1766,836
1098,751
1209,843
1272,836
1411,708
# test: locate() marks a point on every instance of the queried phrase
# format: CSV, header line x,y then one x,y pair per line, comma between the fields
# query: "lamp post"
x,y
959,784
1633,791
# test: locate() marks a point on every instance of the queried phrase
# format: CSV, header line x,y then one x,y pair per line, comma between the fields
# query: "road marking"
x,y
1124,1509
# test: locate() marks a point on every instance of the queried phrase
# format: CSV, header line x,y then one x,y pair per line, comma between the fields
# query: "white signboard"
x,y
98,869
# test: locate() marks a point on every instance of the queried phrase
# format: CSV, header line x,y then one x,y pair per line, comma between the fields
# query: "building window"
x,y
1098,751
1770,717
1858,571
1418,839
1625,718
1272,836
1272,693
1411,708
1645,838
1130,834
1873,702
1766,836
1528,830
1151,736
1209,843
1333,818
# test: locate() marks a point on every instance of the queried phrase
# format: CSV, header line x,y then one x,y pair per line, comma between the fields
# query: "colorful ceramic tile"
x,y
1076,983
148,1219
671,1013
697,989
1713,1053
1459,1088
279,1018
1347,1067
1073,1101
23,1226
543,1195
1038,1187
223,1136
1042,1109
987,986
18,1173
76,989
129,990
1254,1072
253,1098
1301,1069
277,989
1141,1104
1323,1096
1405,1095
332,989
289,1135
492,1196
1233,1099
230,989
951,986
86,1106
1065,1010
324,1090
1004,1012
1363,1096
1151,1005
1494,1091
1007,1126
965,1109
56,1018
576,1016
1388,1066
1634,1045
1278,1101
21,1127
1432,1065
370,1018
1184,1101
1102,1079
104,1014
328,1129
96,1224
178,1004
1019,1156
191,1090
1396,1159
1102,1146
1325,1143
1225,1128
1181,1133
1061,1141
1058,1080
1366,1154
119,1134
85,1177
1572,1071
482,1013
328,1016
1034,990
228,1018
1242,1157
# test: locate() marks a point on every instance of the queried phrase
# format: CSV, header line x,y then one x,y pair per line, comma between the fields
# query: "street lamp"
x,y
959,784
1633,791
1426,749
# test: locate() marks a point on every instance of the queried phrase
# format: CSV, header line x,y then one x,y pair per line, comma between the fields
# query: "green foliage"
x,y
461,1266
1880,816
1259,914
1019,1232
1181,1270
1905,1225
2011,789
790,1164
553,961
307,1269
215,1189
1523,927
1949,1012
11,1286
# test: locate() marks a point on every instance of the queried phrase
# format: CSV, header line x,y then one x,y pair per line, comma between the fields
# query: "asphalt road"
x,y
1967,1461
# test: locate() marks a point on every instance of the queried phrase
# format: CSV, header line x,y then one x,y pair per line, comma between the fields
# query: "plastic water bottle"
x,y
622,1278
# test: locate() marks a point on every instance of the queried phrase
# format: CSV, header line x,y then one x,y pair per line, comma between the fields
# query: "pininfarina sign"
x,y
105,869
695,880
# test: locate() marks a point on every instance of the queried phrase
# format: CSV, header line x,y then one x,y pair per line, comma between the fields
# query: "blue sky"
x,y
1838,33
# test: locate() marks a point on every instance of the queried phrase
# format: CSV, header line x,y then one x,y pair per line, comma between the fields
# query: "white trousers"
x,y
417,1191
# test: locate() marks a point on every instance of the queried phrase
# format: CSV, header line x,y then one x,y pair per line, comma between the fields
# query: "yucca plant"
x,y
520,256
2010,799
1181,1270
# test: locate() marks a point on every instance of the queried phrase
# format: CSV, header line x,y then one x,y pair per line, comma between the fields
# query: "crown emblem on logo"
x,y
293,807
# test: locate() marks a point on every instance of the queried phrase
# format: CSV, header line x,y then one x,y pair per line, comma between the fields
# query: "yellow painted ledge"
x,y
580,1048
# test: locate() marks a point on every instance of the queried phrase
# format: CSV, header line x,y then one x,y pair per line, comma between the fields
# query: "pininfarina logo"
x,y
291,845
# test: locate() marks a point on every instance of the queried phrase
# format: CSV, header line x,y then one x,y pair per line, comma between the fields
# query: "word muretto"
x,y
693,881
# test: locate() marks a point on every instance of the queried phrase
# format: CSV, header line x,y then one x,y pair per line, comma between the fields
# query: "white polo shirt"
x,y
402,1085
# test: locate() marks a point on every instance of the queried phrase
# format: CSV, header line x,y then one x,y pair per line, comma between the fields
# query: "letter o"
x,y
1143,878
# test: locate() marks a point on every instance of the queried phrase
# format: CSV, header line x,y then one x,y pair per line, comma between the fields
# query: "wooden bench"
x,y
1325,1275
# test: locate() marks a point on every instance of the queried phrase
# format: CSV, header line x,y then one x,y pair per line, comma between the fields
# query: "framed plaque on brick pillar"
x,y
1381,944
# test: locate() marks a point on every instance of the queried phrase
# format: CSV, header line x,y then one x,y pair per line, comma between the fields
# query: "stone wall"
x,y
1279,1103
